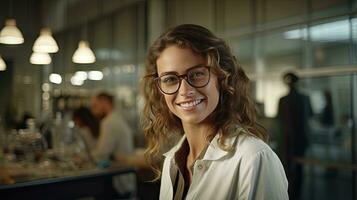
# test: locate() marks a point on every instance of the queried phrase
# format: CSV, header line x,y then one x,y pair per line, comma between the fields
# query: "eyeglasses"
x,y
196,77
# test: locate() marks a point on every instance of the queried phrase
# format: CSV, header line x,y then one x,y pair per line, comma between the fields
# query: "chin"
x,y
192,120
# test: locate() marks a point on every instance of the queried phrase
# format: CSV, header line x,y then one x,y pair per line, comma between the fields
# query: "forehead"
x,y
177,59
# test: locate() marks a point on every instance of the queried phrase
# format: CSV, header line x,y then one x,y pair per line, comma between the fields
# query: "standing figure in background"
x,y
115,141
294,112
88,125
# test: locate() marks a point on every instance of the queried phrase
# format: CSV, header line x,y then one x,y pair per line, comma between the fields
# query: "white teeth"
x,y
191,104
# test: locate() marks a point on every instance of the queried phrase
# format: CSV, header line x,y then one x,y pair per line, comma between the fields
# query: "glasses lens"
x,y
198,77
169,83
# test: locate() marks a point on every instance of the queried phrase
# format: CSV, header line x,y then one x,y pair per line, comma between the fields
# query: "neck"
x,y
196,138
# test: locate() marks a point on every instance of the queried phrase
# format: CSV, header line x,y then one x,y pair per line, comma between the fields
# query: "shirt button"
x,y
200,167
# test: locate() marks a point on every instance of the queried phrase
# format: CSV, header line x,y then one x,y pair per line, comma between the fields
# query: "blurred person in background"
x,y
194,87
294,112
23,123
88,125
116,137
115,142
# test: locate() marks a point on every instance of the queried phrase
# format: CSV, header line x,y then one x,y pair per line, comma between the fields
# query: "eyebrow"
x,y
174,72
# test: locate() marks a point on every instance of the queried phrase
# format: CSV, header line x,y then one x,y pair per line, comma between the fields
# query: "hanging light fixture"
x,y
45,43
2,64
10,34
83,55
38,58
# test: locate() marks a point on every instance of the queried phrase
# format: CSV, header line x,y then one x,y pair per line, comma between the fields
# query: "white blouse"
x,y
250,171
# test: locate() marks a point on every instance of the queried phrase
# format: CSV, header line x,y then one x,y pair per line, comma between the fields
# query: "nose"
x,y
185,88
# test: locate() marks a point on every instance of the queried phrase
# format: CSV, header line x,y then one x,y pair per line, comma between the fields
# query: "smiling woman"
x,y
194,87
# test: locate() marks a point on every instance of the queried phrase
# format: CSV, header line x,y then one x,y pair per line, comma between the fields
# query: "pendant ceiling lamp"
x,y
45,43
10,34
38,58
2,64
83,55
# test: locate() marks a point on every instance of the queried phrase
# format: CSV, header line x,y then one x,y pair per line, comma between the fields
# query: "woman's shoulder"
x,y
248,145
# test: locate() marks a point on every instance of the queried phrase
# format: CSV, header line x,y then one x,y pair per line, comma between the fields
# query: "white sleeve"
x,y
124,138
262,177
106,143
116,138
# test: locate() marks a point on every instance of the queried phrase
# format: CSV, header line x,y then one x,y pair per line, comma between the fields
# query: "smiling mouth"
x,y
191,104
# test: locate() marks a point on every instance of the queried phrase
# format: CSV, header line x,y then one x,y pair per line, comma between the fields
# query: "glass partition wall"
x,y
323,55
329,160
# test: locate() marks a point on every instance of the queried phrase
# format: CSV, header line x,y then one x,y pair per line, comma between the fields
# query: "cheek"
x,y
168,101
215,90
215,96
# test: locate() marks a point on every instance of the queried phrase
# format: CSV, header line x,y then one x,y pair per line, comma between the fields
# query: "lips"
x,y
190,104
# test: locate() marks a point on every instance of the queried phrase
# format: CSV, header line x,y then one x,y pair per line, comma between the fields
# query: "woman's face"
x,y
192,105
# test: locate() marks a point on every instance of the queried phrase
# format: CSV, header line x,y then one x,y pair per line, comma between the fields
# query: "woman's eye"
x,y
169,79
197,74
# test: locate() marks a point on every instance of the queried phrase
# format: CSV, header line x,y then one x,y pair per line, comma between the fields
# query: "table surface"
x,y
69,176
84,183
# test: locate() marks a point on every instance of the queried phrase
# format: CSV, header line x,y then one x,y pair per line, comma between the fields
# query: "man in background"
x,y
115,142
294,113
115,136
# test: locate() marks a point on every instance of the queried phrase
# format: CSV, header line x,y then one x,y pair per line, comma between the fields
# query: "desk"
x,y
95,183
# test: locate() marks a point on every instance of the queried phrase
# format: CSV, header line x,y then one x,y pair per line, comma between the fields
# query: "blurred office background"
x,y
316,39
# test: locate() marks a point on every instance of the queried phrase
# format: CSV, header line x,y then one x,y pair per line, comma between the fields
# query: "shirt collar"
x,y
171,153
214,151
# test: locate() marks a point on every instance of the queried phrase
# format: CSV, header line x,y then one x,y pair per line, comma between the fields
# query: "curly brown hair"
x,y
236,106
